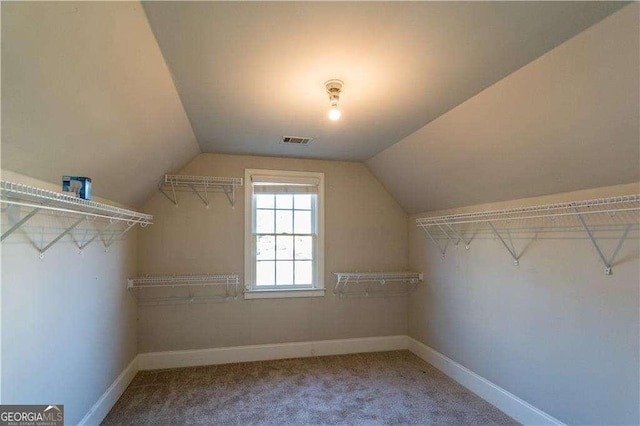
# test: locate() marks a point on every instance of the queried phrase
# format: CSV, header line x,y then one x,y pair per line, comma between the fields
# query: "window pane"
x,y
265,273
303,201
264,221
304,248
284,273
302,222
284,222
266,248
304,272
284,247
284,201
265,201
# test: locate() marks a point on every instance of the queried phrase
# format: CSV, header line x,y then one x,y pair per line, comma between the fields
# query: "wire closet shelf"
x,y
188,288
375,284
597,220
63,215
201,186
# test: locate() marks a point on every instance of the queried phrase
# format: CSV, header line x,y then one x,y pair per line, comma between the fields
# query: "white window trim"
x,y
251,292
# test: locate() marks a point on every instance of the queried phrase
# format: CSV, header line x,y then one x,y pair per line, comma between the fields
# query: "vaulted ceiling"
x,y
250,72
567,121
86,92
126,91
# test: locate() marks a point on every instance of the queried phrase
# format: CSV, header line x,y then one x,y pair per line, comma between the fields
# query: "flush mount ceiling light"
x,y
334,87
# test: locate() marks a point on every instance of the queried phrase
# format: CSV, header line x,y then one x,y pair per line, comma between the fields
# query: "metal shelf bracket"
x,y
59,237
607,263
442,250
452,231
19,223
512,249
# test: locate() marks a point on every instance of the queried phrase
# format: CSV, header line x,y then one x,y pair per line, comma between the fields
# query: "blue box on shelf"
x,y
79,185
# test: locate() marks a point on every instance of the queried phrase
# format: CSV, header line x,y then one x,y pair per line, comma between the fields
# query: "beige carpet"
x,y
376,388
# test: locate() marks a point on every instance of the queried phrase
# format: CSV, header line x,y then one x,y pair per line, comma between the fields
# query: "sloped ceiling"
x,y
250,72
565,122
85,91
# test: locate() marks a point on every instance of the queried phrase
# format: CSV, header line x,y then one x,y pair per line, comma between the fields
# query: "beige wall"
x,y
365,230
68,322
555,331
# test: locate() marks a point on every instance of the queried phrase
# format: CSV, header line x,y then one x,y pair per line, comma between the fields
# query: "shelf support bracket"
x,y
466,243
117,235
230,193
99,233
453,231
440,249
59,237
607,265
619,246
511,250
86,243
454,242
169,198
174,200
19,223
204,199
84,239
344,285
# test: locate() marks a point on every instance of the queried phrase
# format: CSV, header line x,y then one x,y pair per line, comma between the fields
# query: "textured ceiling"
x,y
567,121
85,91
251,72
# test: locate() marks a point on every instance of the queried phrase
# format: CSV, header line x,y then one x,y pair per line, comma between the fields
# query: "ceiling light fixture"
x,y
334,87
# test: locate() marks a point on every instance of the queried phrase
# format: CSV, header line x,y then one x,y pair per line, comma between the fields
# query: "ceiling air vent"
x,y
295,140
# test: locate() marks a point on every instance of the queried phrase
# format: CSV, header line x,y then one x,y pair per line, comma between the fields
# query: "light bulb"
x,y
334,114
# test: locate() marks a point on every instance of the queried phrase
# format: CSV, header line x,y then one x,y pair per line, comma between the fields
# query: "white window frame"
x,y
251,290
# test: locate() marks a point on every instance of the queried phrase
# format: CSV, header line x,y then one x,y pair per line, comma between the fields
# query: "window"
x,y
284,238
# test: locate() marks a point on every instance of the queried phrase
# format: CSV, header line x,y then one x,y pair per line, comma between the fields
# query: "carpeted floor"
x,y
375,388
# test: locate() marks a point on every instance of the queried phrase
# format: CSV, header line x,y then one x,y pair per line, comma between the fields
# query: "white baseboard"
x,y
101,408
504,400
192,358
513,406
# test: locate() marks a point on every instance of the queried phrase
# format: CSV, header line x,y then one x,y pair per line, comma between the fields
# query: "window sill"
x,y
282,294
